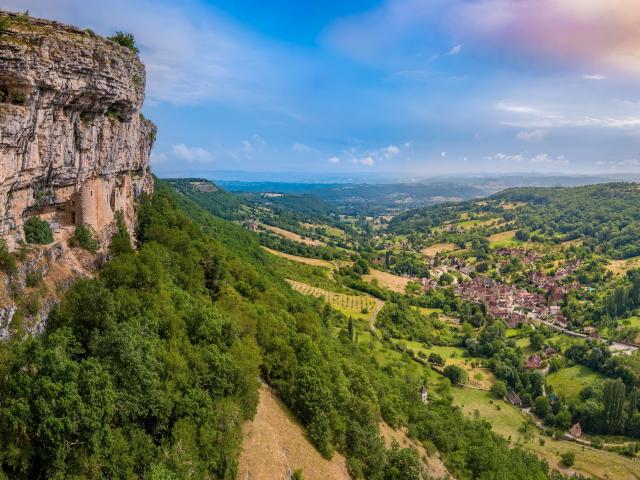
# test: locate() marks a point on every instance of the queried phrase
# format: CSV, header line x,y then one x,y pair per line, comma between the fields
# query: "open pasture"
x,y
395,283
316,262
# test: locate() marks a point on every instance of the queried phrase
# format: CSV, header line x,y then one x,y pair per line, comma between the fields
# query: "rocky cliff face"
x,y
74,147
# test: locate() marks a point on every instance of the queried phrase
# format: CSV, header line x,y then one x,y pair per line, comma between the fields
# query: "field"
x,y
274,444
503,239
508,422
478,376
468,224
316,262
620,267
438,248
360,306
292,236
569,381
388,280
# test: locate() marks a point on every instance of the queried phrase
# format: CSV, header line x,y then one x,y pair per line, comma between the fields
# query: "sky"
x,y
386,88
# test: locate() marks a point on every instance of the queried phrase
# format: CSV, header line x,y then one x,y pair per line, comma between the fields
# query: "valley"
x,y
511,305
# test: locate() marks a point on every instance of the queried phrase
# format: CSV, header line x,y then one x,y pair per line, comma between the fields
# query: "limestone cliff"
x,y
74,146
74,149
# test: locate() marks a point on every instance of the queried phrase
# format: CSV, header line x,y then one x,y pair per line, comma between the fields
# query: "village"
x,y
514,305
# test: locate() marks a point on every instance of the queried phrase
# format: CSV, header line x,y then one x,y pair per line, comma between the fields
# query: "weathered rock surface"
x,y
74,147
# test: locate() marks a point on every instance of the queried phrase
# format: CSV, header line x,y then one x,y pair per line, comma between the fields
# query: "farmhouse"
x,y
534,361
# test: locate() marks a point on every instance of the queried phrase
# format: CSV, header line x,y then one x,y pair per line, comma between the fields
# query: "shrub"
x,y
34,278
37,231
84,237
7,262
126,40
436,358
499,389
568,458
456,374
18,99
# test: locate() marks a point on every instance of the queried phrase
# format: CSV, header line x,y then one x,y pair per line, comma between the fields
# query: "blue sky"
x,y
402,88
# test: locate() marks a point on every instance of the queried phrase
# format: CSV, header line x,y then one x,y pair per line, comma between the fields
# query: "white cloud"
x,y
443,154
302,148
524,116
191,154
595,76
532,135
520,158
455,50
367,161
333,160
391,150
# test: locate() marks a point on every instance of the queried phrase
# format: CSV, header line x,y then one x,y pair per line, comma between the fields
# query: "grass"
x,y
478,376
508,421
504,239
620,267
438,248
468,224
395,283
569,381
274,443
292,236
357,306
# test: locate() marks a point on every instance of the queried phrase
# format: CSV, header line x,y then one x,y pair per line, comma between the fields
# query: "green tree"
x,y
568,458
499,388
121,241
7,261
402,463
613,399
126,40
456,374
37,231
541,407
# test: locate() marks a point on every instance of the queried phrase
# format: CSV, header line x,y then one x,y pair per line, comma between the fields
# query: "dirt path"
x,y
374,315
275,445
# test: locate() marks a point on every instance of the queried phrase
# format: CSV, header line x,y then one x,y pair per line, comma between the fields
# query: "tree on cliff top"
x,y
126,40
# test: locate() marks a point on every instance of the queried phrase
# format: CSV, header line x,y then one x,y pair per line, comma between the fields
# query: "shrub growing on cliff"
x,y
37,231
121,241
126,40
7,262
84,237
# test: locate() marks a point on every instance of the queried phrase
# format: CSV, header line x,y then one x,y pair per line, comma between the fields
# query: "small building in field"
x,y
575,430
424,394
514,398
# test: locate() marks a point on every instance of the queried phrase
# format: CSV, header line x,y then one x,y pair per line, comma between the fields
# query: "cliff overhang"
x,y
74,145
